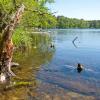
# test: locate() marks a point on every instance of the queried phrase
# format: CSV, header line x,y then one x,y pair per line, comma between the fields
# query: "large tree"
x,y
10,15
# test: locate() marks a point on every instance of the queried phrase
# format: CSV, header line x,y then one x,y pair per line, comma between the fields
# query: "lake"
x,y
52,70
61,70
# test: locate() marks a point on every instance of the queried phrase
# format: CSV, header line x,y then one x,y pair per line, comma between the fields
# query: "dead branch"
x,y
74,41
6,50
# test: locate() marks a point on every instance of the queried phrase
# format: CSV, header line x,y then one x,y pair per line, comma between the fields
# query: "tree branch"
x,y
6,50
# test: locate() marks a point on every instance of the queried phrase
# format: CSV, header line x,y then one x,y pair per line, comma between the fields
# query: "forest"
x,y
65,22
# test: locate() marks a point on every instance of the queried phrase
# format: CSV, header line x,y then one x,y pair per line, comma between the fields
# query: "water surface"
x,y
51,71
61,70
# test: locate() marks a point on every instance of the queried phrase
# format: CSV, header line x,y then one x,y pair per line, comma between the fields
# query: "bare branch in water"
x,y
74,42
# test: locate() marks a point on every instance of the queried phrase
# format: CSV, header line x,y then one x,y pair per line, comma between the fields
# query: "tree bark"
x,y
6,50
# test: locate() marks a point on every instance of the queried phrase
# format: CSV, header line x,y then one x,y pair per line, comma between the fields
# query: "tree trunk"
x,y
6,50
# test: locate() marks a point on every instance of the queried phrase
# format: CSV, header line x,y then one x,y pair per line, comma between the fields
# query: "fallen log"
x,y
6,44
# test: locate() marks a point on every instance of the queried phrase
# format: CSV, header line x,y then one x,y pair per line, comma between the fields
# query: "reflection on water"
x,y
23,86
50,73
62,70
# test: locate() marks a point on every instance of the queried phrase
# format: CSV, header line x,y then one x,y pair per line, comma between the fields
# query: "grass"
x,y
26,38
22,38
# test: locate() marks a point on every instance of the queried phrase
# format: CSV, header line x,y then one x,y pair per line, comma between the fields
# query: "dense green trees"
x,y
20,16
64,22
36,13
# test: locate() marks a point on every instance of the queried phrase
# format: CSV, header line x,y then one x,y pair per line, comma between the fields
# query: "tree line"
x,y
65,22
38,15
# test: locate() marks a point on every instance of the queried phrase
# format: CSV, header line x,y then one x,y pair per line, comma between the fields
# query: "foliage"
x,y
65,22
21,38
43,2
36,15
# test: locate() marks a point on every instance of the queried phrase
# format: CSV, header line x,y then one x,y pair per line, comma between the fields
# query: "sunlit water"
x,y
53,70
61,70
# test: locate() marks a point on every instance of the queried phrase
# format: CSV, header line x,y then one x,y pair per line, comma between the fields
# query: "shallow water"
x,y
23,86
48,73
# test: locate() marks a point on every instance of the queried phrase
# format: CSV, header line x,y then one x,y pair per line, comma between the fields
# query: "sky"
x,y
82,9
